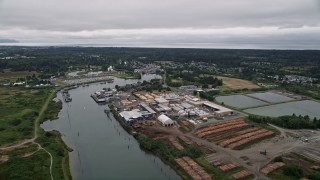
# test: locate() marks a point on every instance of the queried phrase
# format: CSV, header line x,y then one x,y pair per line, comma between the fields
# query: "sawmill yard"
x,y
233,134
240,149
256,148
233,147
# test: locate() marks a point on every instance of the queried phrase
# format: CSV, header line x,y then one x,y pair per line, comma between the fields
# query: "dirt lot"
x,y
252,157
235,83
176,80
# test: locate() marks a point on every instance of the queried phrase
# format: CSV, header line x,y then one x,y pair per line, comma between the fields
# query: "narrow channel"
x,y
102,148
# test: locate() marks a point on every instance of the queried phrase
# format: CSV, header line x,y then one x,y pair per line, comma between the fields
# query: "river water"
x,y
102,148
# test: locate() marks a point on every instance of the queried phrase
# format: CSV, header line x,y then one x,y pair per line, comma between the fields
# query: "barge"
x,y
103,95
66,96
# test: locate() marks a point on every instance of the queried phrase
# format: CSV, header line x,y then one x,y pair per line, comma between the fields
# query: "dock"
x,y
103,95
66,96
99,100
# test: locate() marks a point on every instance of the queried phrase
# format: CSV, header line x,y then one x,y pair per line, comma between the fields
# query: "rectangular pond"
x,y
240,101
270,97
306,107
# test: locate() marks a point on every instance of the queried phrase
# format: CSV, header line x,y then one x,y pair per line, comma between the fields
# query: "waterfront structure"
x,y
66,96
130,117
189,88
103,95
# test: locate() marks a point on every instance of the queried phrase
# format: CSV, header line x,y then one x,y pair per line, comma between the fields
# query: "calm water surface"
x,y
271,97
306,107
240,101
102,149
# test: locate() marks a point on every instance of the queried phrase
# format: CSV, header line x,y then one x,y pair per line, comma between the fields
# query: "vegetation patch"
x,y
128,75
296,167
17,124
53,143
167,152
214,171
33,167
14,75
290,122
18,110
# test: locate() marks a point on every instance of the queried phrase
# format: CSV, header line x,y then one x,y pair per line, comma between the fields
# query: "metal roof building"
x,y
219,110
147,108
161,100
165,120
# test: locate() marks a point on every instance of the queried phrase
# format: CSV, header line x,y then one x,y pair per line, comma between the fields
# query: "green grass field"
x,y
19,108
14,75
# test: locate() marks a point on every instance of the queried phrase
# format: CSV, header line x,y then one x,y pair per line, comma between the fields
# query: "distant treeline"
x,y
290,122
307,90
52,59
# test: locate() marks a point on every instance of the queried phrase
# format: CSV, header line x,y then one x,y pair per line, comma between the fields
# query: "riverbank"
x,y
114,148
128,76
53,142
161,148
44,156
51,113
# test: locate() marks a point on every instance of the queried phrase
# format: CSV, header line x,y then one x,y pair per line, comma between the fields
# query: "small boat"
x,y
66,96
110,80
107,110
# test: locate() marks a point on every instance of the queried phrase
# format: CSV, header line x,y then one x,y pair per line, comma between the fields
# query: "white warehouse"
x,y
165,120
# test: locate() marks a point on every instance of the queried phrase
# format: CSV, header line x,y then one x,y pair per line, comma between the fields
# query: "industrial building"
x,y
161,100
218,110
165,120
103,95
193,100
179,106
147,108
189,88
130,117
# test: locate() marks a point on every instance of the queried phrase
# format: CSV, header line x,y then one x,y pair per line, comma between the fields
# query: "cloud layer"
x,y
274,24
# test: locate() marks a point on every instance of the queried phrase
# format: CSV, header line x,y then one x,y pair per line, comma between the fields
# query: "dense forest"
x,y
52,59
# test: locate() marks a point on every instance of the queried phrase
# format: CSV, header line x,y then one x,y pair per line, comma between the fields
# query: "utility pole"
x,y
165,78
26,81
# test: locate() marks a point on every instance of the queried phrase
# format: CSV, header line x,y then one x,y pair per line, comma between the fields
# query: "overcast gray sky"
x,y
285,24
